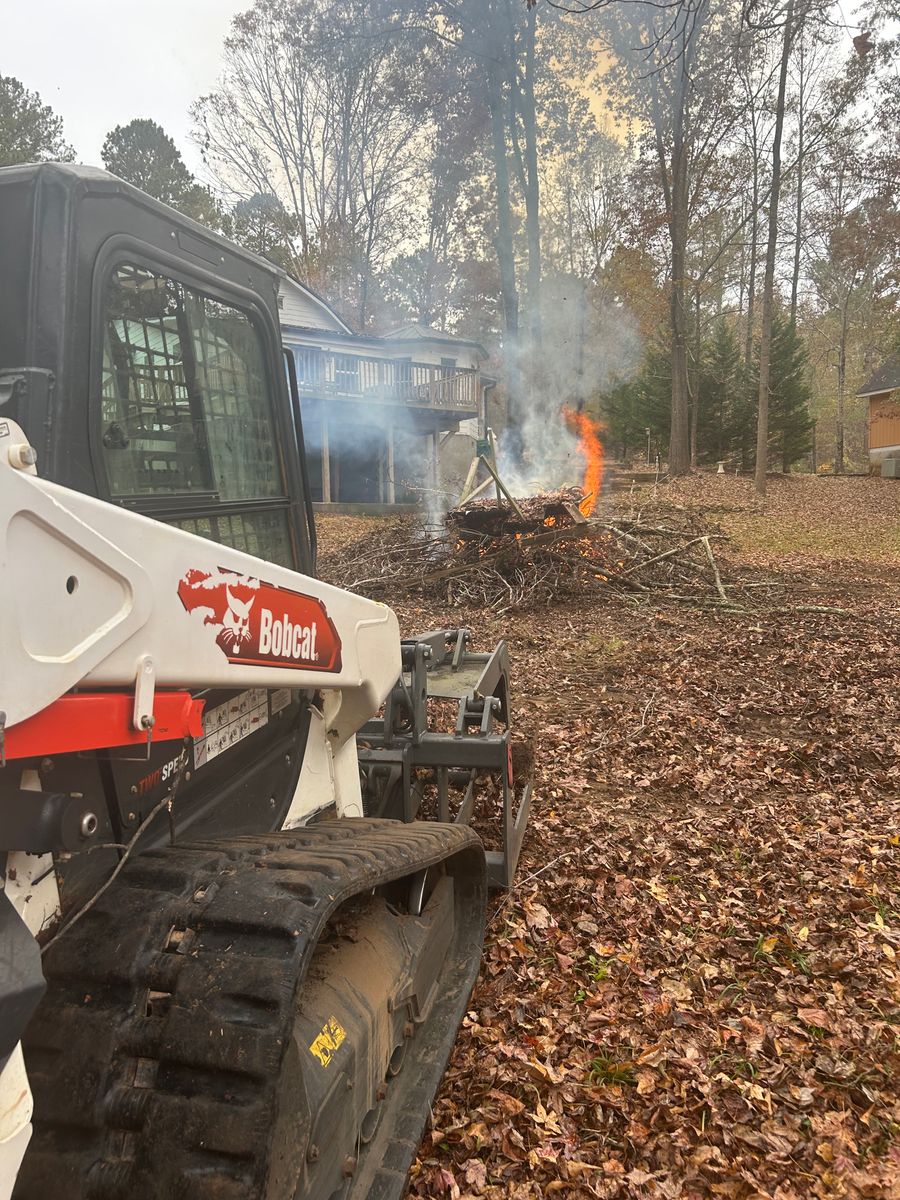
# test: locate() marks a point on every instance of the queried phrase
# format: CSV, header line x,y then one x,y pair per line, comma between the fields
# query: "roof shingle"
x,y
885,379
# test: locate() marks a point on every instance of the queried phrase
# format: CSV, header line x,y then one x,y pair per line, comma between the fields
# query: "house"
x,y
376,409
882,389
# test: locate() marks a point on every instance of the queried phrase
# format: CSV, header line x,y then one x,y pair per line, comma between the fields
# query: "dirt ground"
x,y
694,988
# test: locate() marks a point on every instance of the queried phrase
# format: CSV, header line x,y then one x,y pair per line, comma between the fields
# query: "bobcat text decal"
x,y
258,623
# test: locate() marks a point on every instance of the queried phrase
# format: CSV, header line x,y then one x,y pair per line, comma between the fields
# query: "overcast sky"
x,y
98,63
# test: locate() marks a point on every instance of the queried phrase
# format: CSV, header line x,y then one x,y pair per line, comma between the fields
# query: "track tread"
x,y
174,1096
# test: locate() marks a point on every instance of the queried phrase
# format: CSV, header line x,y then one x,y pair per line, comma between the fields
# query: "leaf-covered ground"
x,y
805,517
694,989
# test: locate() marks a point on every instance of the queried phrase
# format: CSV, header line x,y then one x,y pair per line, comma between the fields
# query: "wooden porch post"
x,y
391,486
326,461
435,462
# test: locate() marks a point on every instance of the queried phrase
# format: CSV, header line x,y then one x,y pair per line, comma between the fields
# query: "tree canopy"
x,y
30,131
590,188
142,153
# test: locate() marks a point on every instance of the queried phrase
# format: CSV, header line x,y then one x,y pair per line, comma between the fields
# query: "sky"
x,y
98,63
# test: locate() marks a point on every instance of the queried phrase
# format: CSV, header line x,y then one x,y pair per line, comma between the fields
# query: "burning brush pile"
x,y
536,550
507,553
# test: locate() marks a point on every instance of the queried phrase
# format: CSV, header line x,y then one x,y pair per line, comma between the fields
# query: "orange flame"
x,y
588,430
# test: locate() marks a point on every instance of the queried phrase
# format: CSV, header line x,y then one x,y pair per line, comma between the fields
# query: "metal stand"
x,y
486,456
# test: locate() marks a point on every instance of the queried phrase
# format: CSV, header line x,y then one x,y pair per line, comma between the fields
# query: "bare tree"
x,y
755,78
502,38
675,66
320,107
789,30
853,248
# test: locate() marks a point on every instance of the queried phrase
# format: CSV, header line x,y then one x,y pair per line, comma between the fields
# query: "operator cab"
x,y
142,355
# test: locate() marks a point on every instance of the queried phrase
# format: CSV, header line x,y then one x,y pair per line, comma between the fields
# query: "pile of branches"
x,y
493,555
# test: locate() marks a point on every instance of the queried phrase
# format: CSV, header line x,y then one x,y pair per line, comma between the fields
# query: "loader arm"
x,y
114,622
97,597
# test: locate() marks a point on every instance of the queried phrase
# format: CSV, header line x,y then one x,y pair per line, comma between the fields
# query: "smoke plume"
x,y
584,347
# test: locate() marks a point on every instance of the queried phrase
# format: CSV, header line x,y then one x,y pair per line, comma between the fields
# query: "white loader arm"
x,y
95,596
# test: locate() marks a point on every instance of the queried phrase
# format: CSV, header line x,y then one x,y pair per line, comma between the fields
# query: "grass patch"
x,y
606,1070
782,537
597,969
606,645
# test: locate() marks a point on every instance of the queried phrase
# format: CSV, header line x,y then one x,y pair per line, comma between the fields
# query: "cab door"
x,y
186,431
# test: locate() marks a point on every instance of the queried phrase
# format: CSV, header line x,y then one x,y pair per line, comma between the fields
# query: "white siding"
x,y
423,352
297,307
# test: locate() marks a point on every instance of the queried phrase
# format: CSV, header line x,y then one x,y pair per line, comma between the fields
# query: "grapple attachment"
x,y
413,766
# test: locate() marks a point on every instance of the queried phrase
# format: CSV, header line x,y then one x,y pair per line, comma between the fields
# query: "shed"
x,y
882,390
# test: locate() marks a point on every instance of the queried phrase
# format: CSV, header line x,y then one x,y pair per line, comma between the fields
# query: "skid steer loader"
x,y
232,960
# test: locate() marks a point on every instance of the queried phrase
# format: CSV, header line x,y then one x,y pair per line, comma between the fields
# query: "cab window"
x,y
186,413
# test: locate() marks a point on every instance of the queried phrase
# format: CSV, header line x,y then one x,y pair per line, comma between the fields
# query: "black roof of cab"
x,y
92,181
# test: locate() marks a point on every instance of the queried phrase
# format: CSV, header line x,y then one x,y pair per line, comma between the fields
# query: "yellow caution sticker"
x,y
329,1041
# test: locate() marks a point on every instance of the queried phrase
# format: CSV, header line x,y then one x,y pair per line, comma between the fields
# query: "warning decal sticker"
x,y
329,1041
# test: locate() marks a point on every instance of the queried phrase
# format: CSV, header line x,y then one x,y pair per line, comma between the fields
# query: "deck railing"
x,y
385,381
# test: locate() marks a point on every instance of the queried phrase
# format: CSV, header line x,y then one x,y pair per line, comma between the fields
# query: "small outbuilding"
x,y
882,390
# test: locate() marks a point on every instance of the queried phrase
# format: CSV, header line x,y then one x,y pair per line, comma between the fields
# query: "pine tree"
x,y
725,414
620,405
790,425
264,225
30,131
631,407
142,153
655,405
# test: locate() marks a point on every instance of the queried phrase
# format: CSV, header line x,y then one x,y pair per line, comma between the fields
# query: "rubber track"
x,y
155,1057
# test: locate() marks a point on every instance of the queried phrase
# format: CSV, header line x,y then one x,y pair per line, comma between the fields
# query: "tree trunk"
x,y
363,301
839,427
798,225
570,230
765,337
839,415
751,274
579,362
532,189
678,196
672,104
505,253
695,390
742,277
679,438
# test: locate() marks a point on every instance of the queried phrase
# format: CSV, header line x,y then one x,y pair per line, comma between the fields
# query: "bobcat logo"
x,y
227,600
236,623
255,623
